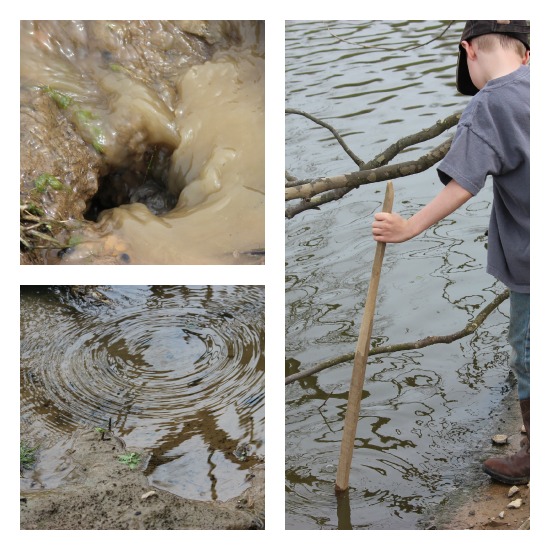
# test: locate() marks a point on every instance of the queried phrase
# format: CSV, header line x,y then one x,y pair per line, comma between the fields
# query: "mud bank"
x,y
103,493
483,503
142,142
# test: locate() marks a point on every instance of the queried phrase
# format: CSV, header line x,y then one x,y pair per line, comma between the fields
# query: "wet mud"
x,y
481,503
103,493
142,142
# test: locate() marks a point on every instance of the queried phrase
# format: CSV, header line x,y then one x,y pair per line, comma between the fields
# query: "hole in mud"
x,y
144,180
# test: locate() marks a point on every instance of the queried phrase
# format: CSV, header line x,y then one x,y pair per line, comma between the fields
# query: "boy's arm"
x,y
392,228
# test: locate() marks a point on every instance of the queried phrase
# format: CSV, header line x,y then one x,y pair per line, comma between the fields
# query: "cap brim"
x,y
464,83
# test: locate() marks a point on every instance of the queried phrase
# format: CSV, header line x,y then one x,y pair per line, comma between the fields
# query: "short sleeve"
x,y
469,161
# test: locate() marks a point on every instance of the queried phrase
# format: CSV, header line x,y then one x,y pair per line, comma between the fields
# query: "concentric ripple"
x,y
175,370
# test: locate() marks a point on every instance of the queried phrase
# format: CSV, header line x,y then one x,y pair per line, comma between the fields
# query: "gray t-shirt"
x,y
492,138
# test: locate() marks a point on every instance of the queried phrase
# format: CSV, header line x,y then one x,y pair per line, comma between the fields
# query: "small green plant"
x,y
130,459
27,456
99,145
89,127
47,180
62,100
34,209
119,68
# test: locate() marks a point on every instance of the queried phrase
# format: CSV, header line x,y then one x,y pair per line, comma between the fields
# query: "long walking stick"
x,y
360,361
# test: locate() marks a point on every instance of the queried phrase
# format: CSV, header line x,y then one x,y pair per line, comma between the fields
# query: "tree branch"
x,y
470,328
334,132
323,197
424,135
317,201
374,47
365,177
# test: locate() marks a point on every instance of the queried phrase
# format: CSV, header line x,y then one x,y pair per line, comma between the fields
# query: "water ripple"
x,y
162,363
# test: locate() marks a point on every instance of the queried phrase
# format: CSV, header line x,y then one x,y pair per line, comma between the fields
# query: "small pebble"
x,y
515,503
500,439
148,495
501,515
513,490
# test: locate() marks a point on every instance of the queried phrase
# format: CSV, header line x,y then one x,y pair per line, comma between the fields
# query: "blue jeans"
x,y
518,337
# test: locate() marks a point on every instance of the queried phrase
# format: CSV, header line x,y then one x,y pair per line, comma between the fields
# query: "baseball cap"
x,y
516,29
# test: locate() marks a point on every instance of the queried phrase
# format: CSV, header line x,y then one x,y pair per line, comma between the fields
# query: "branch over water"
x,y
470,328
318,191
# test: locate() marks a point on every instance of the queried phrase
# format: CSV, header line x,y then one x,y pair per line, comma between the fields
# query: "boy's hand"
x,y
391,228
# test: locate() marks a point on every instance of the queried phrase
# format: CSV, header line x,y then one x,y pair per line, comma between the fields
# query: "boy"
x,y
492,138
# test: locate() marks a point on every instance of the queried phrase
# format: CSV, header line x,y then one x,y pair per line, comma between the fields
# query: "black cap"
x,y
516,29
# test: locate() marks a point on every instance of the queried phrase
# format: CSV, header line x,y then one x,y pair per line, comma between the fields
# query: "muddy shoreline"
x,y
483,504
103,493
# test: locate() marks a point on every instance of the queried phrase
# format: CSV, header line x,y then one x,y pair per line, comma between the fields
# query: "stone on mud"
x,y
515,503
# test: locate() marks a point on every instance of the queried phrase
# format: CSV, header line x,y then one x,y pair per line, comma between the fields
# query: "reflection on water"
x,y
424,413
176,370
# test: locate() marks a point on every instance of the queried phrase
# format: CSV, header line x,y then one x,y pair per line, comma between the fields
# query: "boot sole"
x,y
507,480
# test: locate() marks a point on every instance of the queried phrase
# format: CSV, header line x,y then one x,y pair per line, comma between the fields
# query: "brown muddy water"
x,y
427,415
176,371
154,133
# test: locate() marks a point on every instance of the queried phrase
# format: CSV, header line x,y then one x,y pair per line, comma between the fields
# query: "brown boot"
x,y
514,469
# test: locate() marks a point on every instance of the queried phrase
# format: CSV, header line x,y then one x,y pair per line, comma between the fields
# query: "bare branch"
x,y
377,47
289,176
424,135
323,197
334,132
470,328
316,202
365,177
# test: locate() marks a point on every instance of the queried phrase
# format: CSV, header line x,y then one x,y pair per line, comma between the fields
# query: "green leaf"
x,y
130,459
47,180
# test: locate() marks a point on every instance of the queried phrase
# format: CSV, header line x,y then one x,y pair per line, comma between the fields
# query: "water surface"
x,y
175,370
423,423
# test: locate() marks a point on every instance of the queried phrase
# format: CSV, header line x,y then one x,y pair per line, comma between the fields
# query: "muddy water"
x,y
176,371
175,113
426,415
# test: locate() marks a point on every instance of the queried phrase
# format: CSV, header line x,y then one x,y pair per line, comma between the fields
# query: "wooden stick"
x,y
360,360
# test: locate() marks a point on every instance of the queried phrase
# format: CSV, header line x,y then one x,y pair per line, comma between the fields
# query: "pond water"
x,y
423,425
175,370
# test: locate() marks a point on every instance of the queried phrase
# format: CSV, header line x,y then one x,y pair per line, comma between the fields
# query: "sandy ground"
x,y
485,505
483,512
103,493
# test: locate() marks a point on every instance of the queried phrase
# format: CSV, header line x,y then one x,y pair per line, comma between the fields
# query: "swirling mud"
x,y
142,142
176,373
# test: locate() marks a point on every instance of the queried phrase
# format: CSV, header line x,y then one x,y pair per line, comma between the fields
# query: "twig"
x,y
317,201
324,402
376,47
334,132
470,328
424,135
